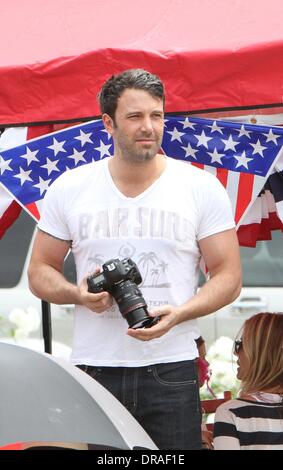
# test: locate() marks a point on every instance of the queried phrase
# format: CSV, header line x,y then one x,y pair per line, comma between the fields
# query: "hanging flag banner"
x,y
10,209
246,159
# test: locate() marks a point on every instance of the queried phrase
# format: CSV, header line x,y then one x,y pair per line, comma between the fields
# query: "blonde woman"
x,y
255,419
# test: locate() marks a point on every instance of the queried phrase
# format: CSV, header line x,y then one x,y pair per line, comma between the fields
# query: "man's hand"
x,y
168,318
97,303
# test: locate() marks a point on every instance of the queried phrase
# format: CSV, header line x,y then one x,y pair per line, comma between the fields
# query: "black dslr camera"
x,y
120,279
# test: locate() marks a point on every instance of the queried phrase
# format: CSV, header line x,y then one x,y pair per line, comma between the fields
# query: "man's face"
x,y
138,127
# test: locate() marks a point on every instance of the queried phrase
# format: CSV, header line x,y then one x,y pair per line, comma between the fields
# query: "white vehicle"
x,y
15,251
262,287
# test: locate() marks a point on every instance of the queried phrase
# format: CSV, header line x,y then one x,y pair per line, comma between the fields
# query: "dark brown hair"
x,y
138,79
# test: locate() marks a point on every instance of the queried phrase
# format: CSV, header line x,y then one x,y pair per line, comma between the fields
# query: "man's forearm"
x,y
213,295
48,284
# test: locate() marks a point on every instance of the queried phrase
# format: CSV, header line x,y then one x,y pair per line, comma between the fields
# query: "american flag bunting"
x,y
241,156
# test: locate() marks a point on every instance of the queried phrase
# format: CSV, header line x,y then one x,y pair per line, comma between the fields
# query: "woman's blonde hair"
x,y
262,343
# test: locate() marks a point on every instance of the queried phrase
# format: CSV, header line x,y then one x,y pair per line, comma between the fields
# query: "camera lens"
x,y
139,318
132,305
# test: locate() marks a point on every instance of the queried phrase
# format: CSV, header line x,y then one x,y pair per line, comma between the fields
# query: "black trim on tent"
x,y
177,113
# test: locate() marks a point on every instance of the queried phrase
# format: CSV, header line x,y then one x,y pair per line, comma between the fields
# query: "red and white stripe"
x,y
255,216
239,186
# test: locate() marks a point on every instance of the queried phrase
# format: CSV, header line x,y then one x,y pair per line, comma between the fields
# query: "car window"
x,y
263,265
70,268
13,250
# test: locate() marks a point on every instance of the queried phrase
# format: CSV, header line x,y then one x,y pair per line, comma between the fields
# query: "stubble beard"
x,y
130,154
137,158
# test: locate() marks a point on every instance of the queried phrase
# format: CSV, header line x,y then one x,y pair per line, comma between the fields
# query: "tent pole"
x,y
46,326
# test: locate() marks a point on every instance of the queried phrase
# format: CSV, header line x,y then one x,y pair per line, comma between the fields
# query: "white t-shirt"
x,y
159,229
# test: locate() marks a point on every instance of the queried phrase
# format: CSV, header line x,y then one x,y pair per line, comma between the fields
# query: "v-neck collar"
x,y
139,196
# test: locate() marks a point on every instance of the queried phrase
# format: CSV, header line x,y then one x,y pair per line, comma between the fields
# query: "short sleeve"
x,y
53,220
215,211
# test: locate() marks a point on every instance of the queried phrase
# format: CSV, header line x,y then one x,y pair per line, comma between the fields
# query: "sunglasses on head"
x,y
237,346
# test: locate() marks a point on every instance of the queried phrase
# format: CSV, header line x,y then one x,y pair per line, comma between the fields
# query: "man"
x,y
165,215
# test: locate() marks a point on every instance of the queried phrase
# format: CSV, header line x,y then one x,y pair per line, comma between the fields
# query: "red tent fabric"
x,y
55,55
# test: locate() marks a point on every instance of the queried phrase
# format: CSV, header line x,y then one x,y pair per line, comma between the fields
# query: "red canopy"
x,y
55,55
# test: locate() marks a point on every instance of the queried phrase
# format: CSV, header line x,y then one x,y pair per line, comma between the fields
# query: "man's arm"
x,y
222,257
46,279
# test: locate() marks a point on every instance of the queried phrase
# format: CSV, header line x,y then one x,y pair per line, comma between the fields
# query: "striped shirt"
x,y
242,424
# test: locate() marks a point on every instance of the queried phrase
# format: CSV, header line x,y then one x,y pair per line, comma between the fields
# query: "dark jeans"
x,y
164,399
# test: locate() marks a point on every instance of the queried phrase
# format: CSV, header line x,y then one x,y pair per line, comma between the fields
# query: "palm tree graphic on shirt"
x,y
153,268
